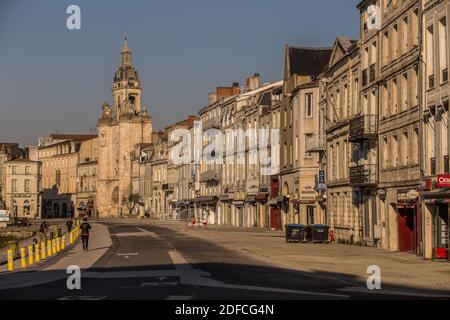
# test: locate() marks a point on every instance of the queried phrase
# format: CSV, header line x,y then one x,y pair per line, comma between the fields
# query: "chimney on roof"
x,y
252,82
235,89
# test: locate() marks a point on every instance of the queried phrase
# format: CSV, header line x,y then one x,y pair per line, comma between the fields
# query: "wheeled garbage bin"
x,y
317,233
295,233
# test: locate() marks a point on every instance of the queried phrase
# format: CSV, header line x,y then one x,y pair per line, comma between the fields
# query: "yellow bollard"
x,y
54,246
30,255
71,237
10,260
42,250
23,260
63,242
37,253
49,248
58,245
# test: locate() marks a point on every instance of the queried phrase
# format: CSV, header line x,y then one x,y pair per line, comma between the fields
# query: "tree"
x,y
131,201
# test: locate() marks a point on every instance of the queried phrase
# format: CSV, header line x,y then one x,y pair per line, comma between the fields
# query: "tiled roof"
x,y
69,136
308,61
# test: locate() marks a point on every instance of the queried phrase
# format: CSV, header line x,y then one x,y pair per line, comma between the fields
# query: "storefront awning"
x,y
226,197
238,203
206,200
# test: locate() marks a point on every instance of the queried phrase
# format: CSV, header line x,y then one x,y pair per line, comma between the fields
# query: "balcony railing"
x,y
365,174
211,124
210,176
315,144
167,186
363,127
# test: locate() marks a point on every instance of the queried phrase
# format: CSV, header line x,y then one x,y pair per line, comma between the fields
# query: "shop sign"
x,y
443,181
411,195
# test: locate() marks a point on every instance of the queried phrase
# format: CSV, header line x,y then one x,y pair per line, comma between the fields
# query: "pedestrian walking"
x,y
43,229
85,227
69,224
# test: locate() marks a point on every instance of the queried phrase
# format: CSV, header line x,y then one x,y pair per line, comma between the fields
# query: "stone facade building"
x,y
397,222
23,185
340,106
60,156
206,205
8,152
299,124
434,123
87,167
120,129
159,160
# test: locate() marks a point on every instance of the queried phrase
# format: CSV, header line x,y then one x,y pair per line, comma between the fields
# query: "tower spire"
x,y
125,52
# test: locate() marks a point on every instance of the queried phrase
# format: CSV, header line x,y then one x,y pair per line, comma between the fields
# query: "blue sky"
x,y
55,80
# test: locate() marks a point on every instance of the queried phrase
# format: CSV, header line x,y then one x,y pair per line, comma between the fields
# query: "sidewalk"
x,y
54,268
397,269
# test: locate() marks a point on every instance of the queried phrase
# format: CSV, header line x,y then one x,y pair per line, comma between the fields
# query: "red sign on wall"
x,y
443,181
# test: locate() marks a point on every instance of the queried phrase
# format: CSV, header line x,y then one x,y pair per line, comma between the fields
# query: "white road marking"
x,y
127,255
150,233
142,233
394,292
190,276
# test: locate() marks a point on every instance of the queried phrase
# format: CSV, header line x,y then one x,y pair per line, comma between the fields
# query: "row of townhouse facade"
x,y
362,140
384,106
55,179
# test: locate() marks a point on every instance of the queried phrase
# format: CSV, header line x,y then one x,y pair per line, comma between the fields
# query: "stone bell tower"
x,y
126,89
120,129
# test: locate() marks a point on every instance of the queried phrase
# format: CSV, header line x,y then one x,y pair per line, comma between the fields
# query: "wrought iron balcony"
x,y
210,176
315,144
363,128
363,175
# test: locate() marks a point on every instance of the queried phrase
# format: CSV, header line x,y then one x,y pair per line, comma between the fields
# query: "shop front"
x,y
251,217
262,207
436,199
409,221
206,208
225,205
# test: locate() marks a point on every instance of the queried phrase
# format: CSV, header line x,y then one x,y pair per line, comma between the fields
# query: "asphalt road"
x,y
158,263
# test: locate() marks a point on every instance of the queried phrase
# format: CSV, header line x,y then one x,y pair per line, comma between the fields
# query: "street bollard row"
x,y
36,253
